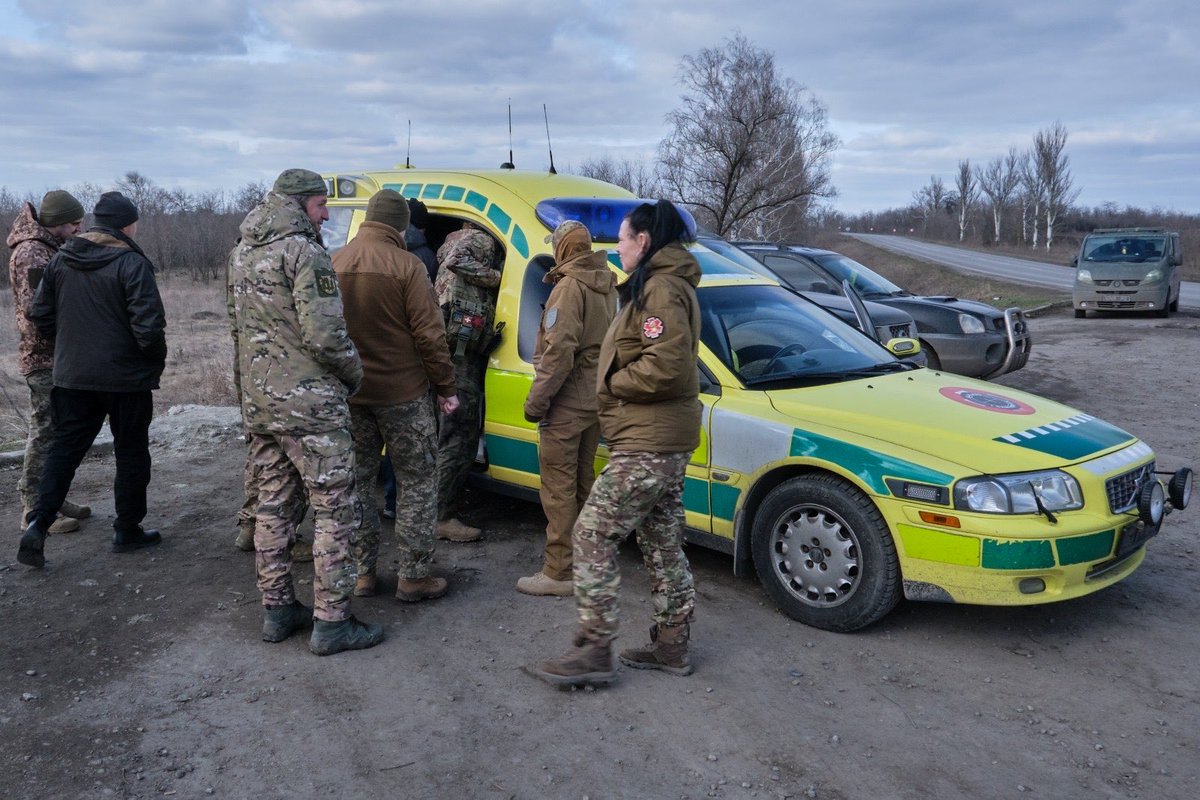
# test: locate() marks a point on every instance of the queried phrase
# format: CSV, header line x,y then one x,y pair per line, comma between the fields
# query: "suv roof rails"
x,y
1130,230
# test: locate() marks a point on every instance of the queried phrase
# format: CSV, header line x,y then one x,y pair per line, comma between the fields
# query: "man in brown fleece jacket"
x,y
394,320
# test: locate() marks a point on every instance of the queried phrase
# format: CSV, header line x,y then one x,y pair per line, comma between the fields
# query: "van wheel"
x,y
1165,311
931,357
824,554
1174,304
1080,313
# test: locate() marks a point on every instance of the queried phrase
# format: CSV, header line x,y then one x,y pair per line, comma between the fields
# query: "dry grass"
x,y
199,357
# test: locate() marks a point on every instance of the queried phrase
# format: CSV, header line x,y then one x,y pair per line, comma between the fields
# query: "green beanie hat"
x,y
303,182
390,208
58,208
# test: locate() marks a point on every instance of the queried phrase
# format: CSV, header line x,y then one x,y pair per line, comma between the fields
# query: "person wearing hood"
x,y
295,369
34,238
414,237
648,396
562,399
99,301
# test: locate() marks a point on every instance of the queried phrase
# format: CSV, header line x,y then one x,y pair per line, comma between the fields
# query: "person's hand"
x,y
531,417
448,405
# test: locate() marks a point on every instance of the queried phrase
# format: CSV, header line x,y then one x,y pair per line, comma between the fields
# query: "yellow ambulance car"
x,y
844,476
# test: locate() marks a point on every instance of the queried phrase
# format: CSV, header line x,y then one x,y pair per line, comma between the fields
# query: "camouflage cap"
x,y
563,229
300,181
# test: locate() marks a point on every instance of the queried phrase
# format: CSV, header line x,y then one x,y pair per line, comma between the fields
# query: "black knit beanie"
x,y
115,210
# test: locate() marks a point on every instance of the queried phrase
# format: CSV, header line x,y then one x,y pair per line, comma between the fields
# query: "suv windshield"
x,y
866,281
766,334
1124,248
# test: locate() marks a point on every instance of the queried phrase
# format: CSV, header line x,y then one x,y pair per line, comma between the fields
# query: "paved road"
x,y
1014,270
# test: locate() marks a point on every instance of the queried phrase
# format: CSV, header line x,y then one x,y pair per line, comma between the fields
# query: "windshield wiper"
x,y
831,377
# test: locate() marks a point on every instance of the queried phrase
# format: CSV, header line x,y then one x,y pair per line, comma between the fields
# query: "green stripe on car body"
x,y
1071,439
1017,554
512,453
1079,549
868,465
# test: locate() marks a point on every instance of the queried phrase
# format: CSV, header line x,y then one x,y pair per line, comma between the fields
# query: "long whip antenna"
x,y
509,164
546,116
408,149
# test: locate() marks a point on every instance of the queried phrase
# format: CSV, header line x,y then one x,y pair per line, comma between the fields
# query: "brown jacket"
x,y
392,318
578,312
33,247
648,381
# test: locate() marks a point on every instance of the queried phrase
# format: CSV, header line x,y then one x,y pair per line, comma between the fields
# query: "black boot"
x,y
280,622
348,634
30,551
127,541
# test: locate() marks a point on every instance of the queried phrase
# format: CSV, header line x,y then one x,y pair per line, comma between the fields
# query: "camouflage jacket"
x,y
294,364
32,248
466,289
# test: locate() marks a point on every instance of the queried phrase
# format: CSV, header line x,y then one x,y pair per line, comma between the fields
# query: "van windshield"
x,y
1123,248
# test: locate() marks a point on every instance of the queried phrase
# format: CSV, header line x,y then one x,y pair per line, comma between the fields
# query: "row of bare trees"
x,y
185,234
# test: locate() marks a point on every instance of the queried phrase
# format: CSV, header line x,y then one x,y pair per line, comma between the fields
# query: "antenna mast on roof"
x,y
546,116
509,164
408,149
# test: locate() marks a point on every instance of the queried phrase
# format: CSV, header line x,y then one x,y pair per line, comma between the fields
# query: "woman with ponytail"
x,y
648,388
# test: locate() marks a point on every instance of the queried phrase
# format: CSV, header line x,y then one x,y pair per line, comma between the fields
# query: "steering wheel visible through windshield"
x,y
766,334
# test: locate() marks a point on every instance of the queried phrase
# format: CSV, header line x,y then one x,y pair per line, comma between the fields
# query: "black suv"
x,y
960,336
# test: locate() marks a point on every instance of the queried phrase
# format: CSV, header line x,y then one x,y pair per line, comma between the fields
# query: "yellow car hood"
x,y
983,427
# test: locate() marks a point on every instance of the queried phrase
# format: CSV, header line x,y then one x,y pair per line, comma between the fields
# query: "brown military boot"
x,y
245,537
64,524
454,531
542,585
588,663
75,511
427,588
364,585
302,551
668,651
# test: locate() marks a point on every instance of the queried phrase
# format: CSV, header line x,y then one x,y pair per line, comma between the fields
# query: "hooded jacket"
x,y
294,364
393,318
100,302
648,384
32,248
578,312
416,243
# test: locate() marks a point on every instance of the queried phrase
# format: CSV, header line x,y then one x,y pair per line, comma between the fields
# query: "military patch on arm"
x,y
551,318
327,285
652,327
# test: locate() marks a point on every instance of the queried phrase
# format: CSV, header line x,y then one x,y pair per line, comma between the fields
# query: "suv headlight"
x,y
1084,276
1019,493
970,324
1153,276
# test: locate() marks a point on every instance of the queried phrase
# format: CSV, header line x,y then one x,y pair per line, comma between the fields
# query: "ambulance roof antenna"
x,y
509,164
408,149
546,116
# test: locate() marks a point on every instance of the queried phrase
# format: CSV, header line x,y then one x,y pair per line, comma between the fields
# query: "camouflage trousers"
x,y
41,432
410,432
322,464
567,441
251,477
640,492
458,434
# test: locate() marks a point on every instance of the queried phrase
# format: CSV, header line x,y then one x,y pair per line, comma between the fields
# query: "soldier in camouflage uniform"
x,y
466,290
648,387
562,399
35,238
244,541
295,369
394,321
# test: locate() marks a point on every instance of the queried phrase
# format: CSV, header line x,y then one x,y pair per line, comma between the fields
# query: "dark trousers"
x,y
77,416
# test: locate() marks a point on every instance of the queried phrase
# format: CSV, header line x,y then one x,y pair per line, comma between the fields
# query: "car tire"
x,y
1165,311
1174,306
1080,313
824,554
931,357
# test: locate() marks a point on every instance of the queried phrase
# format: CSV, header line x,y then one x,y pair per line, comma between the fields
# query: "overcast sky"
x,y
213,94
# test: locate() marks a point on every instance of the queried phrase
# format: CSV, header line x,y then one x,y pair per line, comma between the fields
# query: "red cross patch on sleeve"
x,y
652,328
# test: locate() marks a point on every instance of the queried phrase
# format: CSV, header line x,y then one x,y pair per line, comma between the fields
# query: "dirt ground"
x,y
142,675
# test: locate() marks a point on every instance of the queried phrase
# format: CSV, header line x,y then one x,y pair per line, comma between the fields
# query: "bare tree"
x,y
1032,191
635,175
929,200
1054,171
998,182
968,192
247,197
746,144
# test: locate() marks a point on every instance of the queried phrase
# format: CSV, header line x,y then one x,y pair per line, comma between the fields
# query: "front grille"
x,y
1113,304
1123,489
895,332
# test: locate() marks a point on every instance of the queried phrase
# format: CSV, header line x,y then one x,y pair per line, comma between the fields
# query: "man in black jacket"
x,y
99,300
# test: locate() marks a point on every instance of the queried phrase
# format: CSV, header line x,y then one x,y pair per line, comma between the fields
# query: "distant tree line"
x,y
185,234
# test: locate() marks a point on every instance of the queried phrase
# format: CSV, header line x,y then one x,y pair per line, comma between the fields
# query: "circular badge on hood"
x,y
988,401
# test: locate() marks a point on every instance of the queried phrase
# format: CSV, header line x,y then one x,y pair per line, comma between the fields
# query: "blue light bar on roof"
x,y
602,216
